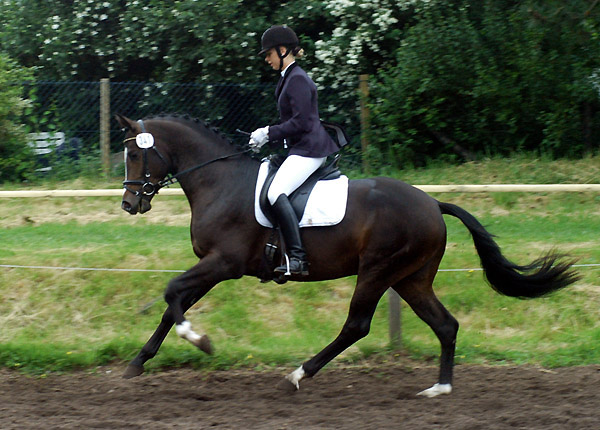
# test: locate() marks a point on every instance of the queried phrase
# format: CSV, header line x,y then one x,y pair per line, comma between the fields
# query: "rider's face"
x,y
272,58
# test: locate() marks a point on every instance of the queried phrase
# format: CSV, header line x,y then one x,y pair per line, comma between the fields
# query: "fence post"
x,y
363,89
105,124
395,325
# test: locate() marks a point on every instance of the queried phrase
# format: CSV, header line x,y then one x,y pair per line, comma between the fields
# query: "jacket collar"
x,y
284,71
284,76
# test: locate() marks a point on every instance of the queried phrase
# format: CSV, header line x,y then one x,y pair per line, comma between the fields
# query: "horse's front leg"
x,y
196,282
181,293
362,307
149,350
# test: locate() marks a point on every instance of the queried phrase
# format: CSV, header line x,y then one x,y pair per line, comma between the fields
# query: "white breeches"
x,y
292,173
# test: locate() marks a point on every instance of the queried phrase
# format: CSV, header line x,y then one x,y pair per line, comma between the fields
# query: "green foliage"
x,y
493,78
160,40
452,80
16,158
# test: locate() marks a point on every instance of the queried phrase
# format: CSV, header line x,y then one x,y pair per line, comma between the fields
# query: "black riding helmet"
x,y
279,35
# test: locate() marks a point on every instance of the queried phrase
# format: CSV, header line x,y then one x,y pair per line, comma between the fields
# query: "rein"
x,y
173,179
148,188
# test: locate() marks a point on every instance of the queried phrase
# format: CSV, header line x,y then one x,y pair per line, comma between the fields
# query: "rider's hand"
x,y
253,145
260,136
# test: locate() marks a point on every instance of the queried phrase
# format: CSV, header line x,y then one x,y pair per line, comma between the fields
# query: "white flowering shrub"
x,y
161,40
365,36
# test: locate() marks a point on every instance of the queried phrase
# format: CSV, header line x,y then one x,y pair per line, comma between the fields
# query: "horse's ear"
x,y
126,123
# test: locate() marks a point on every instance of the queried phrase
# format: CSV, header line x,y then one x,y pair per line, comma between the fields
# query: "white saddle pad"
x,y
326,204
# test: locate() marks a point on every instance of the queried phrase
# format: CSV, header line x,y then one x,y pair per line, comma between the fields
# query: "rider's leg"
x,y
292,173
288,224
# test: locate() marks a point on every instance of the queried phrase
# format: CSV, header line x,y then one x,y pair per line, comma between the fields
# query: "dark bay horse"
x,y
392,236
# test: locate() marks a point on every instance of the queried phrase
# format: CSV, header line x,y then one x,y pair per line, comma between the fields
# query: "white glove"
x,y
258,138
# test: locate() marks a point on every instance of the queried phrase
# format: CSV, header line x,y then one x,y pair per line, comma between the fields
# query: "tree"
x,y
16,158
365,37
159,40
451,79
490,79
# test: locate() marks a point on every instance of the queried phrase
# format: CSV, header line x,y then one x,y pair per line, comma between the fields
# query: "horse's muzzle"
x,y
139,206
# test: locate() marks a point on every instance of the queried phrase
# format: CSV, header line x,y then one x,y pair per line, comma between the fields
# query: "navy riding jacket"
x,y
300,124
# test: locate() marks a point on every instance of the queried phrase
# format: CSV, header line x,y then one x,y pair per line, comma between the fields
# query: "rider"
x,y
301,131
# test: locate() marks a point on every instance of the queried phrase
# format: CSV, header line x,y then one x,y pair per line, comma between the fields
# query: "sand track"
x,y
381,397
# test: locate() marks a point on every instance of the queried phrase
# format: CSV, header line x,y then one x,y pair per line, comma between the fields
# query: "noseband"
x,y
148,188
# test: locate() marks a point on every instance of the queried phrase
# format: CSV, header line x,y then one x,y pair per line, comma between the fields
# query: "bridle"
x,y
148,188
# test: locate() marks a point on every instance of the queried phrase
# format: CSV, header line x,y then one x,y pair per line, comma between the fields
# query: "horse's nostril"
x,y
126,206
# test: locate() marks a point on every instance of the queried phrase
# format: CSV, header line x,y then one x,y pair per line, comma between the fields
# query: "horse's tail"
x,y
543,276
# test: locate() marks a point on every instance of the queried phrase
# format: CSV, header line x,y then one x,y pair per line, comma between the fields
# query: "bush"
x,y
493,78
16,158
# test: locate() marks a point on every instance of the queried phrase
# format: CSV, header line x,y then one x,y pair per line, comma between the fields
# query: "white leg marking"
x,y
184,330
436,390
296,376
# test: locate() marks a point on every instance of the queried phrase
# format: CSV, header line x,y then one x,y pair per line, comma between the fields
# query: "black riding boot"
x,y
288,224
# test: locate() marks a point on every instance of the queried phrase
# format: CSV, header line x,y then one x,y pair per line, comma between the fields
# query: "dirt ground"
x,y
382,397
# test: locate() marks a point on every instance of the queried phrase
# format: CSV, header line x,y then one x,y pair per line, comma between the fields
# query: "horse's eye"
x,y
132,155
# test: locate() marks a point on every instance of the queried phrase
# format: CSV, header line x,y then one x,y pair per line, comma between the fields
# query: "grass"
x,y
511,170
57,320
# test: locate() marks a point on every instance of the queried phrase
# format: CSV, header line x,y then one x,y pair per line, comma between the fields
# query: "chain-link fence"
x,y
74,108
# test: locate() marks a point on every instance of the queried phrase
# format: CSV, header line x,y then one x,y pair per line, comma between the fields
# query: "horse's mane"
x,y
196,124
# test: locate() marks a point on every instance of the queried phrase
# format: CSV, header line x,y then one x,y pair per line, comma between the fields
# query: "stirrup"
x,y
293,266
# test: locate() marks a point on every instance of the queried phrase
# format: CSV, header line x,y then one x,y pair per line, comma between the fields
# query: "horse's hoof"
x,y
287,386
204,344
436,390
132,371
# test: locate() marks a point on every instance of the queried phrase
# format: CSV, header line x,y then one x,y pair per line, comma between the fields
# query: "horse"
x,y
392,235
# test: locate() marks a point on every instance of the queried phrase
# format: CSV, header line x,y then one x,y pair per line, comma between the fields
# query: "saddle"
x,y
298,198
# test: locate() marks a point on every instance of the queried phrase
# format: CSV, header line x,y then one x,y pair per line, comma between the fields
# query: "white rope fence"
x,y
489,188
394,322
80,193
88,269
103,269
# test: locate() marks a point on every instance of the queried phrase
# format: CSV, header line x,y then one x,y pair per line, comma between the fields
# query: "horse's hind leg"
x,y
417,291
362,307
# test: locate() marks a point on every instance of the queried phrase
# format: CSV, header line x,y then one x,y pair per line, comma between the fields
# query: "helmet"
x,y
278,35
